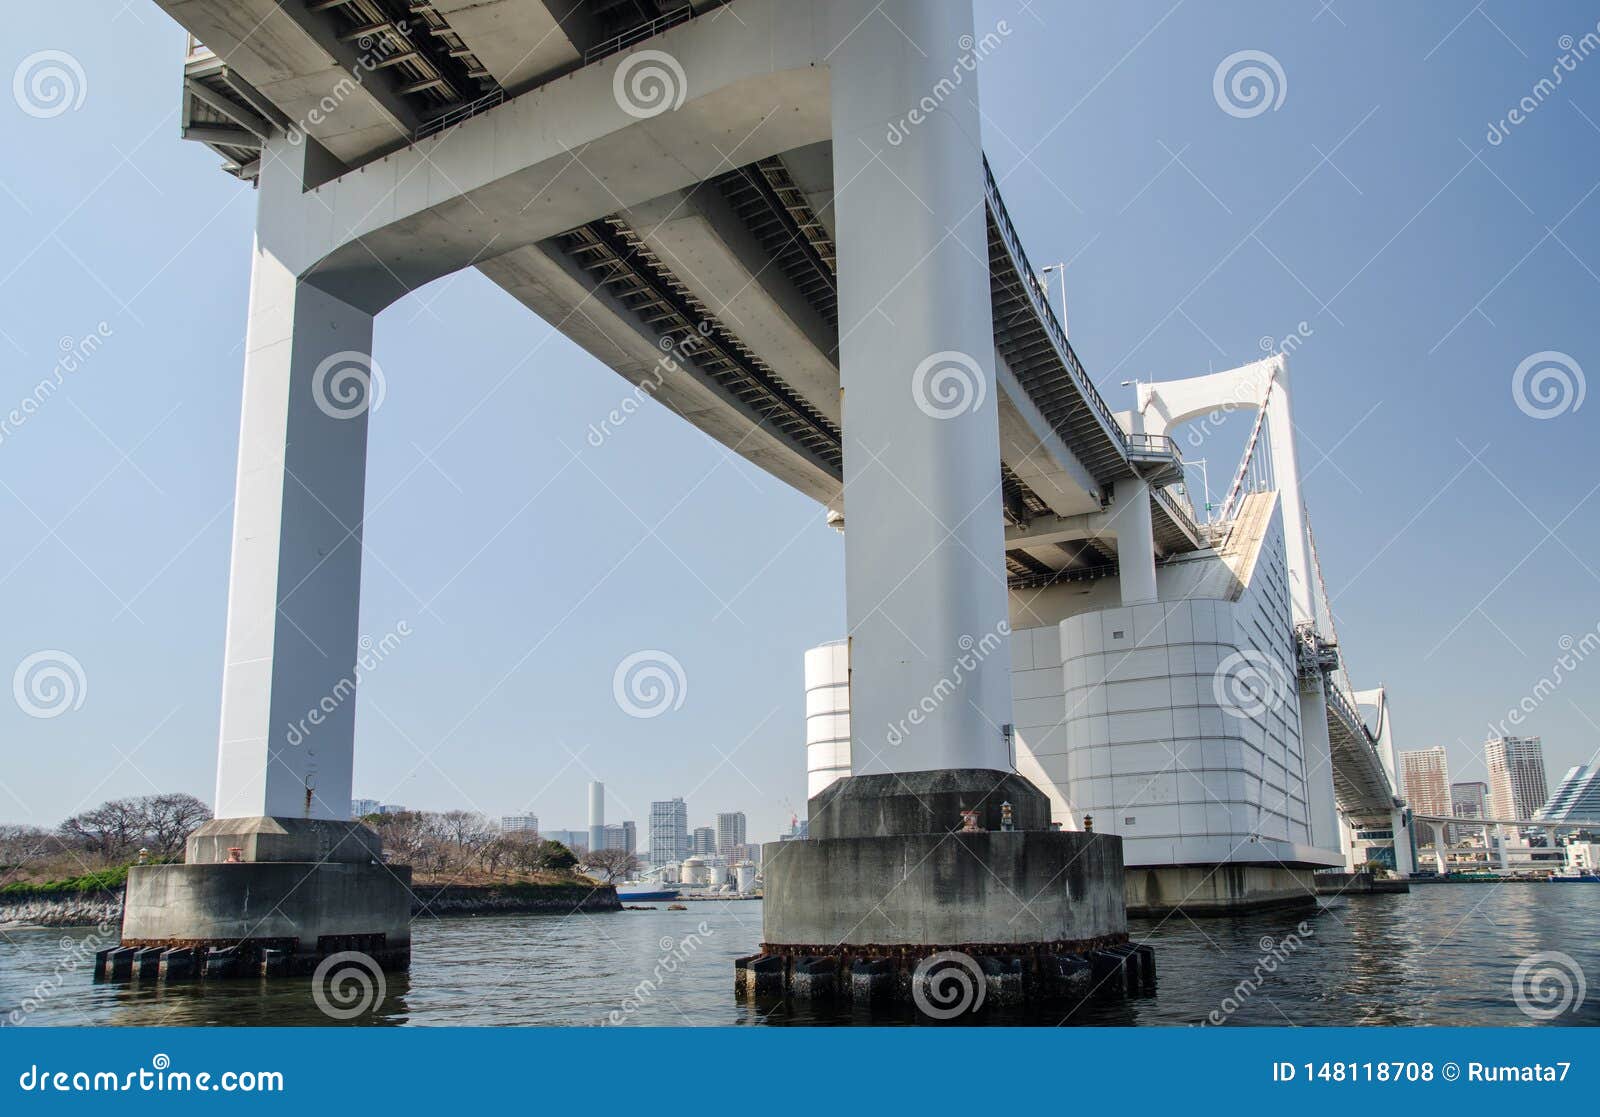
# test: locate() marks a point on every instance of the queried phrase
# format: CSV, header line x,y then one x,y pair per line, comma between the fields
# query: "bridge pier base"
x,y
908,875
289,892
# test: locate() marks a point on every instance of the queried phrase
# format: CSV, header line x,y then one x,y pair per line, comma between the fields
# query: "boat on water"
x,y
635,893
1575,876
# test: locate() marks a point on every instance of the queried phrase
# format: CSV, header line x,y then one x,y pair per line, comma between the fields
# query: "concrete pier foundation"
x,y
263,896
911,881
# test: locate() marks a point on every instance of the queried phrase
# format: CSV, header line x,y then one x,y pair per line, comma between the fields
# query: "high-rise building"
x,y
597,815
361,808
703,842
620,835
519,824
1469,799
1517,784
730,832
1425,780
1576,797
669,832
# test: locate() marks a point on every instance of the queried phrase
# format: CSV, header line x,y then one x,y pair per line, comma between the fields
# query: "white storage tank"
x,y
745,874
694,872
827,714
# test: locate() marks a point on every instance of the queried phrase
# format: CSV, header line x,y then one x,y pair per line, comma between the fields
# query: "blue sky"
x,y
1457,533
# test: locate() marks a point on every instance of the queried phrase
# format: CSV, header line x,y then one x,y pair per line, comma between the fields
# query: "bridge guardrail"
x,y
1019,256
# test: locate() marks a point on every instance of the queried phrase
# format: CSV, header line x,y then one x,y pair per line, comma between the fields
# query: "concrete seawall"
x,y
90,909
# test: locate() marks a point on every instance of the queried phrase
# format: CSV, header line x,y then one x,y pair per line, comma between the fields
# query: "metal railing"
x,y
459,113
1154,445
1041,306
613,45
638,34
1180,510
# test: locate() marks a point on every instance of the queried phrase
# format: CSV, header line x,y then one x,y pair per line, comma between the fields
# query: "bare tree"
x,y
612,865
170,819
111,830
118,828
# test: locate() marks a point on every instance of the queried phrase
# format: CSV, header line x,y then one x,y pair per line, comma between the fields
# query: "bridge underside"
x,y
732,278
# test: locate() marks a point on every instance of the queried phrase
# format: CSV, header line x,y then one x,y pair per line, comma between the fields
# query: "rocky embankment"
x,y
89,909
60,909
445,901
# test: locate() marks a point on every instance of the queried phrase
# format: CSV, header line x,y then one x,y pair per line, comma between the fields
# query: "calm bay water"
x,y
1445,954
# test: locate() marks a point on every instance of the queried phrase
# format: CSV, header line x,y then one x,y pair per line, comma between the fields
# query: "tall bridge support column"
x,y
1404,863
1441,859
1136,542
1317,755
286,744
934,843
925,546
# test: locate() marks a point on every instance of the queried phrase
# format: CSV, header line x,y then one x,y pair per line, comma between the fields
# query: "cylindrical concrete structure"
x,y
827,675
597,816
924,553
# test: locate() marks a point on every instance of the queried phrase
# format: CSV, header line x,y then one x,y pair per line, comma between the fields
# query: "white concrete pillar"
x,y
925,587
1316,752
1136,541
1441,860
1403,863
1503,858
288,701
1286,472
